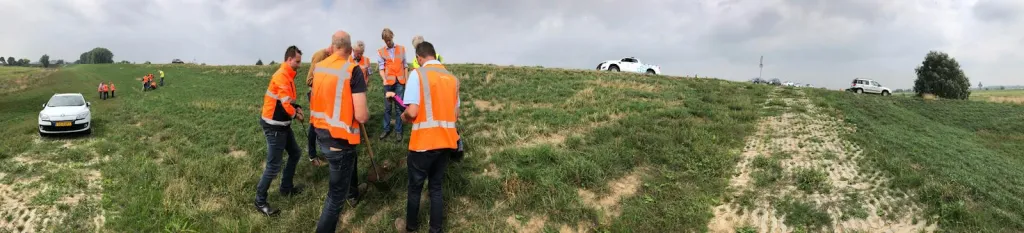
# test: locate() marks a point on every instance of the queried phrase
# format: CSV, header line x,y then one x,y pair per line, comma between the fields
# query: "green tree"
x,y
97,55
24,62
941,75
11,61
45,60
147,63
259,62
59,62
273,62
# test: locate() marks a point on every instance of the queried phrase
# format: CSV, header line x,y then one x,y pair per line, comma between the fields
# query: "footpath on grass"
x,y
797,174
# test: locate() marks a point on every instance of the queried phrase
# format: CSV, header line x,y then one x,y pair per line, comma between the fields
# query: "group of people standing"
x,y
427,96
106,90
149,82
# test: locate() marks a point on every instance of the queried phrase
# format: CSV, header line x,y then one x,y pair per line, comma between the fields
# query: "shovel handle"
x,y
362,127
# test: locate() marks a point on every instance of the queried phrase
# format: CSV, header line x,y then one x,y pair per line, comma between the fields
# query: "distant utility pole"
x,y
761,67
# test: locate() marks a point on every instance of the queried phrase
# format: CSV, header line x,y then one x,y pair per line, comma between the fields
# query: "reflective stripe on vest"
x,y
277,123
274,96
343,77
428,106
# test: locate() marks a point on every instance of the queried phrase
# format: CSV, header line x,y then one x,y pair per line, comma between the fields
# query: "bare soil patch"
x,y
609,203
854,200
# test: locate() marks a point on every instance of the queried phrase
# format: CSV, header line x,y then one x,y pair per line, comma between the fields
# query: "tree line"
x,y
97,55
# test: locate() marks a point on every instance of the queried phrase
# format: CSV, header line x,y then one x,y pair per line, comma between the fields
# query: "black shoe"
x,y
266,210
353,202
295,190
385,135
399,137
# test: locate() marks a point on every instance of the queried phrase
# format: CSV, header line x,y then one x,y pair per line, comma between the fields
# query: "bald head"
x,y
342,43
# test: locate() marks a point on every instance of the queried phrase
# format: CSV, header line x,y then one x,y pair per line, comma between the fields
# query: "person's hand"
x,y
317,162
299,116
389,94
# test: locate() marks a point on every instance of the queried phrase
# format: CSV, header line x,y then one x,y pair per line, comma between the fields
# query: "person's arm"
x,y
411,97
286,98
358,85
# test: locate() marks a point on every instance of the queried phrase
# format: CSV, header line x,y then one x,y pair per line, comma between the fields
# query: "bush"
x,y
259,62
941,75
97,56
45,60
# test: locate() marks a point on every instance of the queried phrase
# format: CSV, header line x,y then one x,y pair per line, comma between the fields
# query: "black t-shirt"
x,y
358,85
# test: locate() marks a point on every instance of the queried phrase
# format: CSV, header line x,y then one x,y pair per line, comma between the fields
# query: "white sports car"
x,y
65,113
629,64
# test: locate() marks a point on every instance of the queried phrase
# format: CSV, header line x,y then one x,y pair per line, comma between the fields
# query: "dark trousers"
x,y
112,94
161,81
278,141
399,90
311,141
423,166
342,164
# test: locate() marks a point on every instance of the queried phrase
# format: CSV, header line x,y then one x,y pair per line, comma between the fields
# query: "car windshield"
x,y
67,100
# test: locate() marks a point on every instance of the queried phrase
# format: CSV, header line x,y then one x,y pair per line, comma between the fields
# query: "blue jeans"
x,y
278,141
399,90
341,164
428,165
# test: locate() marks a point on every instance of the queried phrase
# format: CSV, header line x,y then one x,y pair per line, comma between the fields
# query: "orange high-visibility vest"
x,y
103,88
364,64
393,66
330,106
279,100
112,88
434,126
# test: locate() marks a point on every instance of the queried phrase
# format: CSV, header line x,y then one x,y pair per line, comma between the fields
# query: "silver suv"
x,y
861,86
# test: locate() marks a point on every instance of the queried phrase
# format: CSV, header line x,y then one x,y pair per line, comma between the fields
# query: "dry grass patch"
x,y
486,105
534,225
622,84
609,204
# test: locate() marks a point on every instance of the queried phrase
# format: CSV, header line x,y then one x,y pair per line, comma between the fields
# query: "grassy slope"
x,y
555,132
963,159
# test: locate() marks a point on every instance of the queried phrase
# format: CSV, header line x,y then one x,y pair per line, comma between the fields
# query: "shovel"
x,y
374,176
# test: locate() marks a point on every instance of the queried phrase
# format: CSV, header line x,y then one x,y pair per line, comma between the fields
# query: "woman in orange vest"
x,y
112,89
433,113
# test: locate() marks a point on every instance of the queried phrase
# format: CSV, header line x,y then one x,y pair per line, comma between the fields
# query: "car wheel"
x,y
650,72
886,93
614,68
860,91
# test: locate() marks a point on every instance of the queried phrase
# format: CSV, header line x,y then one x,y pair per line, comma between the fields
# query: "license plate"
x,y
63,124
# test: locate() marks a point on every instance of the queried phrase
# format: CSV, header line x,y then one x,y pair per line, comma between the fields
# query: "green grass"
x,y
811,180
804,216
767,171
166,163
961,159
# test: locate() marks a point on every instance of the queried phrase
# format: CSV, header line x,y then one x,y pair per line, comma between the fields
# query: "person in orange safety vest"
x,y
393,69
337,110
112,90
279,109
432,99
362,61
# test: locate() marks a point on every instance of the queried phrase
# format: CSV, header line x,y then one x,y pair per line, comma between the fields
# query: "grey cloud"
x,y
812,41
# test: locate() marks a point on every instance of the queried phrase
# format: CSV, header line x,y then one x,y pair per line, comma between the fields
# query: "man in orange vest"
x,y
337,108
362,61
145,83
393,69
279,109
112,89
433,108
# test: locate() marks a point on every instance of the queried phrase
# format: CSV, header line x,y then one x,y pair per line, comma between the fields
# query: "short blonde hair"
x,y
416,40
360,45
387,34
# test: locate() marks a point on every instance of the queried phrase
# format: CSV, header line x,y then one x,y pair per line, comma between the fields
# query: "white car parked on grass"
x,y
629,64
861,86
65,113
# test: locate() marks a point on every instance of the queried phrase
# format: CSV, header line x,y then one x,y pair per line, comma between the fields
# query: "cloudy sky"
x,y
821,42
